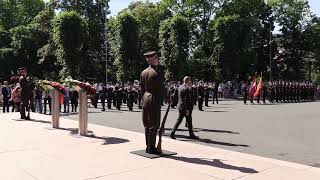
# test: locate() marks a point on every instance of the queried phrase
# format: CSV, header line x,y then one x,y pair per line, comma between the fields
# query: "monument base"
x,y
153,156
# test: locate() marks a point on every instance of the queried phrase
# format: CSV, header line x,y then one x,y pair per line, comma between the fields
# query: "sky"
x,y
118,5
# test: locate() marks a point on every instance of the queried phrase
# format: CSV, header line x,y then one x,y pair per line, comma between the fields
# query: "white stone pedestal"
x,y
55,108
83,113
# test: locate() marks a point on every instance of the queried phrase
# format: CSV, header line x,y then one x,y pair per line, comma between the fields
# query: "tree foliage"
x,y
174,43
207,39
127,53
19,12
70,31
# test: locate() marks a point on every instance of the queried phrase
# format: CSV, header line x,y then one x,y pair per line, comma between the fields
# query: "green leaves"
x,y
126,52
175,45
70,31
18,12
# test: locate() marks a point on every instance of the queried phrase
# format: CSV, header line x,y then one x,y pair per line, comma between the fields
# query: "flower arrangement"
x,y
57,86
83,86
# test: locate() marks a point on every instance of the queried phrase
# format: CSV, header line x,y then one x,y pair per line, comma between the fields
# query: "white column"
x,y
83,114
55,108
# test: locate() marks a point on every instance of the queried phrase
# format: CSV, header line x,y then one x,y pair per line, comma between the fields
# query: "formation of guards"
x,y
118,94
284,92
291,91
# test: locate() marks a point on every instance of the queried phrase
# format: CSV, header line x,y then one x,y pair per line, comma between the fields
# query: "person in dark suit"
x,y
6,93
185,106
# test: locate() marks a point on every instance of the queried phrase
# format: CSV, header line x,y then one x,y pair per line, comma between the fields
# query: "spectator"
x,y
74,100
66,100
15,98
6,93
38,100
47,100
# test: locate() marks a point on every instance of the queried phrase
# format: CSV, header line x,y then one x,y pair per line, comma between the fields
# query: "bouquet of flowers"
x,y
83,86
57,86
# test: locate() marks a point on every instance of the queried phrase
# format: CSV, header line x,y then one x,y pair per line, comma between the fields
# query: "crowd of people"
x,y
131,93
112,95
115,95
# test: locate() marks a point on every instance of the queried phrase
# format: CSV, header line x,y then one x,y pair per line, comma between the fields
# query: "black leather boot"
x,y
146,132
151,148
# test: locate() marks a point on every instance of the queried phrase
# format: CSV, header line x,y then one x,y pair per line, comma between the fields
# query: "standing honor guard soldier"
x,y
118,96
26,93
194,94
206,94
153,90
109,95
103,95
200,93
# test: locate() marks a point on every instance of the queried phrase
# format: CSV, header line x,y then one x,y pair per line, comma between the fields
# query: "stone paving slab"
x,y
34,150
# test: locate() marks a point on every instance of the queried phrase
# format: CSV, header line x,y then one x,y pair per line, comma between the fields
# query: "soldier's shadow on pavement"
x,y
33,120
204,130
213,163
215,111
216,131
107,140
208,141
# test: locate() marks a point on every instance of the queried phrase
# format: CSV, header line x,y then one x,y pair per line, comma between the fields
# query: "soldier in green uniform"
x,y
26,93
153,89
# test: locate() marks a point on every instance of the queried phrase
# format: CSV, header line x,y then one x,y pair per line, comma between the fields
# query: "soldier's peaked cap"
x,y
150,54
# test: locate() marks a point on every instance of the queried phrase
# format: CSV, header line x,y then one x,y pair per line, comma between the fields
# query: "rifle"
x,y
161,131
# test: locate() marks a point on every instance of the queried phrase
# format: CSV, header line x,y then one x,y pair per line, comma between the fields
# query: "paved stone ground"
x,y
33,150
281,131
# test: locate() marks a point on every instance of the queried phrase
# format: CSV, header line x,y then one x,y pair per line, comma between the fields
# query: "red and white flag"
x,y
253,87
259,88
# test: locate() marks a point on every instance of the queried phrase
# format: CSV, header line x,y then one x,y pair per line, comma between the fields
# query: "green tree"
x,y
232,45
150,17
5,38
19,12
93,11
239,37
70,31
46,54
26,40
293,16
175,34
127,58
